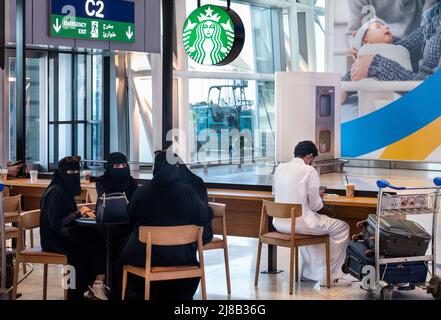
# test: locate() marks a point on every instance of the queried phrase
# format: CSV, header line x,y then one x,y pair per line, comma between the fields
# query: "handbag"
x,y
112,209
15,169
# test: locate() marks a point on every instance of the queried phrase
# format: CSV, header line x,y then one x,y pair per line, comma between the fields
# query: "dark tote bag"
x,y
112,209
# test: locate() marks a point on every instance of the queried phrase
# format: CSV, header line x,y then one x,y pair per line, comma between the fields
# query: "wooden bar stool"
x,y
292,241
29,221
220,228
167,236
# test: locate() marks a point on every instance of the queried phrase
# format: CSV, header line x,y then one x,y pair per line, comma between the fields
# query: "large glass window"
x,y
231,117
35,104
75,107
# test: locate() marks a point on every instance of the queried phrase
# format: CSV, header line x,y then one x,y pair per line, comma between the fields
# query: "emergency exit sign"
x,y
106,20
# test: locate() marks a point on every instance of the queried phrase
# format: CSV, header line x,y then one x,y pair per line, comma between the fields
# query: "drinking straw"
x,y
347,181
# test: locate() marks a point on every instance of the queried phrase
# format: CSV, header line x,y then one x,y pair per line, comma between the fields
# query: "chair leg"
x,y
227,269
45,282
259,253
65,283
203,287
25,270
297,264
31,238
291,270
328,265
147,289
15,281
124,284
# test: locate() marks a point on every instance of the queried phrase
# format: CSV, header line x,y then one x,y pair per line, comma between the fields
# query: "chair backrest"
x,y
171,236
6,192
91,196
30,220
218,209
218,223
282,210
12,204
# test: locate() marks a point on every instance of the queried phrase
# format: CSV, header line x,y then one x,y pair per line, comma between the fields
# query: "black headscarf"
x,y
167,169
69,182
122,174
116,179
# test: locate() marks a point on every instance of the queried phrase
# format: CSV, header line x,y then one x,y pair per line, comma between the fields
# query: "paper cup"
x,y
34,176
350,190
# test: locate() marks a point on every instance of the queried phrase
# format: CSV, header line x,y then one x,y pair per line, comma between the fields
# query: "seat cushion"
x,y
287,237
216,243
37,251
173,269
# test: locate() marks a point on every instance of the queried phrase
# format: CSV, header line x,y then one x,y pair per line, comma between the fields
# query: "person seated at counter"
x,y
297,182
116,178
168,200
85,248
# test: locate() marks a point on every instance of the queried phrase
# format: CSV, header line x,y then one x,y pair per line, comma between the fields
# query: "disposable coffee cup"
x,y
86,176
34,176
4,174
350,190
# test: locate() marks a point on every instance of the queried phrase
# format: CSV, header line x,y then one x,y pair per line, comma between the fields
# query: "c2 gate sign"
x,y
107,20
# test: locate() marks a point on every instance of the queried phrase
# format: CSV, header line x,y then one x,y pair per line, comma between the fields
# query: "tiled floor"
x,y
242,264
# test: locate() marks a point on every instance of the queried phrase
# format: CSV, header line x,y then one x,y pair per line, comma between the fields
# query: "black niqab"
x,y
69,182
116,180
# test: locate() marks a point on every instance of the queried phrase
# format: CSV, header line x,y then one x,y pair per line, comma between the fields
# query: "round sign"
x,y
213,35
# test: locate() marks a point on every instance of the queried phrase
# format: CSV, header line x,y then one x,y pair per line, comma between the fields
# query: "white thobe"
x,y
297,183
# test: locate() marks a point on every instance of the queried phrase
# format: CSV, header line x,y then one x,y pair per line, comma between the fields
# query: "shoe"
x,y
303,279
340,282
97,292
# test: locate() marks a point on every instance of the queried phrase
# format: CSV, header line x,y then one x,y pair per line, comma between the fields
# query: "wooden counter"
x,y
243,207
32,192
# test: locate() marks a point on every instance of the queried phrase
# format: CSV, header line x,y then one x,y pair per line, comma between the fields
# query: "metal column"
x,y
168,22
20,93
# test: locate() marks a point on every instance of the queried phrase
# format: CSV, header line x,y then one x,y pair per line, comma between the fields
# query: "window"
x,y
36,84
231,118
75,107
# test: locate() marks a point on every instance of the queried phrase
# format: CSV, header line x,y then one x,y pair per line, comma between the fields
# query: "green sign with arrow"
x,y
93,20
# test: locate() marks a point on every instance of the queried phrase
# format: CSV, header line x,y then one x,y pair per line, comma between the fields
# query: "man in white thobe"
x,y
297,182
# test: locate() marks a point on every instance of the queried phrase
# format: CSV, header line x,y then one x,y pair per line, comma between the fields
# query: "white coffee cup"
x,y
34,176
87,175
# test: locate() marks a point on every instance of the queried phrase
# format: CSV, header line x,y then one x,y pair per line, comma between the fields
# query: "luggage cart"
x,y
416,202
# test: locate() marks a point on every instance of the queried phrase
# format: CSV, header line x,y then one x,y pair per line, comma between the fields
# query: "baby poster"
x,y
391,109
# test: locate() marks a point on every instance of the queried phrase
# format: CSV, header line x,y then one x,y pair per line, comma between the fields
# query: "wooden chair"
x,y
6,192
12,208
30,221
292,241
167,236
219,228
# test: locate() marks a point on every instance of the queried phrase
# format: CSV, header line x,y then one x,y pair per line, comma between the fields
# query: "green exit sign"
x,y
112,20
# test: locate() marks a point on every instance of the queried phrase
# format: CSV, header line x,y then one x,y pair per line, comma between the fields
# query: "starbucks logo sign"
x,y
213,35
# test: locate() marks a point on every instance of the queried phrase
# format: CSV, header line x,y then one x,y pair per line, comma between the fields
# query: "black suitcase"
x,y
398,273
398,238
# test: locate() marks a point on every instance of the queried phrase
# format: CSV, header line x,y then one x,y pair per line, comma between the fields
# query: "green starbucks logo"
x,y
211,35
